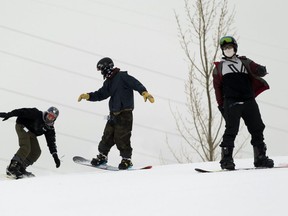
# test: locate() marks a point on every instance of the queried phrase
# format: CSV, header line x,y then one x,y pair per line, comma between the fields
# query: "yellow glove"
x,y
83,96
148,96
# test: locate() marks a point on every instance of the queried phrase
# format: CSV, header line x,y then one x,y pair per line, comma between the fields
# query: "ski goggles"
x,y
51,116
225,40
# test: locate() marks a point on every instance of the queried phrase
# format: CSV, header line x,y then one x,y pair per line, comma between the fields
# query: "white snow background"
x,y
51,43
167,190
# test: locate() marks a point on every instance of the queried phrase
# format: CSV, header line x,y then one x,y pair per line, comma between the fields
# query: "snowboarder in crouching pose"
x,y
31,123
237,81
119,86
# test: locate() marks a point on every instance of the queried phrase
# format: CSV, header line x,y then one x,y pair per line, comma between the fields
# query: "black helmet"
x,y
51,115
228,40
105,65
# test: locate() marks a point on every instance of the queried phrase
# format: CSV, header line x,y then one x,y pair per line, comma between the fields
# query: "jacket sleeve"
x,y
254,68
51,140
24,112
256,72
101,94
217,83
134,84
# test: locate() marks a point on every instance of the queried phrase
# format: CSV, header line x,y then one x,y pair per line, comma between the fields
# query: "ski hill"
x,y
167,190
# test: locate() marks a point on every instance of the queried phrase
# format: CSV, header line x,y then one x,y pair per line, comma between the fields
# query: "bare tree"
x,y
207,22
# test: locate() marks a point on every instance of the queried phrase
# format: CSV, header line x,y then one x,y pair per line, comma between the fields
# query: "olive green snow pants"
x,y
29,150
118,131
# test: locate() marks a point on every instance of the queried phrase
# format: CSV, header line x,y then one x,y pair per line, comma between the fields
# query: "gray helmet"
x,y
51,115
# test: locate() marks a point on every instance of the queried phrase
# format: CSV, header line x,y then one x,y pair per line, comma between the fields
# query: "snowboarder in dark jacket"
x,y
119,86
237,81
30,124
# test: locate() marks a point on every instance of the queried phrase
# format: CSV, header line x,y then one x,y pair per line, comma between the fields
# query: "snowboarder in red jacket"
x,y
237,81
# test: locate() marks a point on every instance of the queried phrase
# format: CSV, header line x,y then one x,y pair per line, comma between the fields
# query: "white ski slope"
x,y
169,190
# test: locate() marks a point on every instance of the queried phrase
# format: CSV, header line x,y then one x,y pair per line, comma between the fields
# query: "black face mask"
x,y
105,71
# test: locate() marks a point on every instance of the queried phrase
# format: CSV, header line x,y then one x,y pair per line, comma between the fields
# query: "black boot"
x,y
23,170
100,159
13,170
227,161
260,158
125,164
25,173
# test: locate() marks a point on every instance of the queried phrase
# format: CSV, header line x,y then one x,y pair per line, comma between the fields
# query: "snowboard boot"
x,y
125,164
227,161
100,159
260,158
25,173
13,170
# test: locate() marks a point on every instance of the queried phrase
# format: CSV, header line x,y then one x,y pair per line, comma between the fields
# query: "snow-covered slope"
x,y
164,190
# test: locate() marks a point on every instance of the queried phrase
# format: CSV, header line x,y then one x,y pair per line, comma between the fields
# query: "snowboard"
x,y
31,175
87,162
239,169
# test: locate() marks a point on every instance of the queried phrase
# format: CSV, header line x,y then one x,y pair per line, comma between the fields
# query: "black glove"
x,y
4,116
261,71
56,159
221,109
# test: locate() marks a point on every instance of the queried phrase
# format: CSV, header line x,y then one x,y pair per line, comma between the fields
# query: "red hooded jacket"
x,y
259,84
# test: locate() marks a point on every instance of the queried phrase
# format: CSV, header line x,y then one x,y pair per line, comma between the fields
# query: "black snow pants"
x,y
249,112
